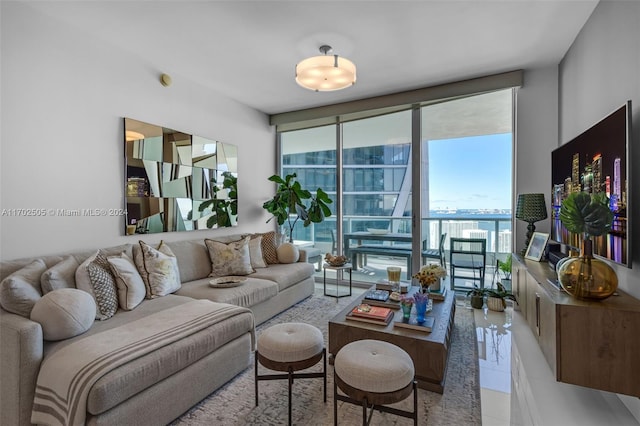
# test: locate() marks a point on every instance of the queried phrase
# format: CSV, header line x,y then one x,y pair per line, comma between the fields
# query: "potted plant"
x,y
505,268
477,297
496,299
291,203
587,215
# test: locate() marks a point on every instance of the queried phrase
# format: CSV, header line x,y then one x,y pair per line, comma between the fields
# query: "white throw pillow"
x,y
64,313
288,253
255,252
60,275
20,291
131,288
161,269
229,258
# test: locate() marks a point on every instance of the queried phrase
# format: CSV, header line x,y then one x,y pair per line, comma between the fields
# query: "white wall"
x,y
536,137
599,73
63,98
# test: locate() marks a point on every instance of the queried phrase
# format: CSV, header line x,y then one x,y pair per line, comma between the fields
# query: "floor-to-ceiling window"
x,y
464,185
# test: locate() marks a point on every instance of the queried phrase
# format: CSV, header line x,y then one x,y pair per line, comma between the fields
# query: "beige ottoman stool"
x,y
373,373
290,347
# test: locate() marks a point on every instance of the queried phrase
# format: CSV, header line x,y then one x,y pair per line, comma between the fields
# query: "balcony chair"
x,y
468,254
435,253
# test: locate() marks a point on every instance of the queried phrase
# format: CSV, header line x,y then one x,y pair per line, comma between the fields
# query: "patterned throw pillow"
x,y
160,270
229,258
269,247
104,289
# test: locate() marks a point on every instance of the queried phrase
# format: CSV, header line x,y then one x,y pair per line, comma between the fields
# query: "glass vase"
x,y
406,310
585,277
421,308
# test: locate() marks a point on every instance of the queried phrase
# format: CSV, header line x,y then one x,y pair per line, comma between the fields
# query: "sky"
x,y
475,172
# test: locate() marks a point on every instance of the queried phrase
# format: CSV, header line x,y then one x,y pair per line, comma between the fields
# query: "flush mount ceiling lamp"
x,y
325,73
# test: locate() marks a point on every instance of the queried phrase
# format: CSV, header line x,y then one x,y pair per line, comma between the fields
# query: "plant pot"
x,y
496,304
587,278
477,302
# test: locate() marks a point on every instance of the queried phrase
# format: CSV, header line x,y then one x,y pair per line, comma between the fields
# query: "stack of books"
x,y
371,314
438,295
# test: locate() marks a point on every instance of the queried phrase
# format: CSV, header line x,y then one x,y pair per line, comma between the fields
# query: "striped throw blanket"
x,y
66,376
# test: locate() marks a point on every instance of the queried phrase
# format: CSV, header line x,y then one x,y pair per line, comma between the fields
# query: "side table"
x,y
346,267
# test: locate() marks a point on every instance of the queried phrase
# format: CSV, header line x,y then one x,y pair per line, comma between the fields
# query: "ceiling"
x,y
247,50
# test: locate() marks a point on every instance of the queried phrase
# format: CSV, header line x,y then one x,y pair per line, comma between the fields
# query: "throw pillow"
x,y
229,258
101,276
131,288
20,291
288,253
161,270
61,275
64,313
255,252
269,247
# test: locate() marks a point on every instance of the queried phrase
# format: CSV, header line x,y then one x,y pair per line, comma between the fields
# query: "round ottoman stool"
x,y
290,347
373,373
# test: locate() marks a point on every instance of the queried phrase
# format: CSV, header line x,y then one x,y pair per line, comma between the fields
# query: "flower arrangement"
x,y
429,274
406,300
421,298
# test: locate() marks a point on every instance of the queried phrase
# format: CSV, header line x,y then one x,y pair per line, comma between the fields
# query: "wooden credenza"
x,y
588,343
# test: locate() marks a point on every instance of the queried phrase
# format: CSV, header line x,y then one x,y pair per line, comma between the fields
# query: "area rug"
x,y
234,404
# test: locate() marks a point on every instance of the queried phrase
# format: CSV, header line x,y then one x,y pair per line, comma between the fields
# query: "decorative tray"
x,y
228,281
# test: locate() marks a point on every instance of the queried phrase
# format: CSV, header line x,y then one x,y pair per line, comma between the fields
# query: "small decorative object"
x,y
430,275
421,301
496,299
335,260
536,246
406,302
477,297
395,296
227,281
530,208
289,202
585,277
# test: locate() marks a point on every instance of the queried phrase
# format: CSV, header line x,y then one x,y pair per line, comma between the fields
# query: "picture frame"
x,y
538,242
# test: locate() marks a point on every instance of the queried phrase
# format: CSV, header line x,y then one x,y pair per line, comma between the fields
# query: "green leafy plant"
x,y
292,203
586,214
501,293
223,210
505,267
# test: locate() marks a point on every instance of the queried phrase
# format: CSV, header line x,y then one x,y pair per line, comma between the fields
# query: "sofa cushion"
x,y
131,289
131,378
250,293
61,275
158,269
20,291
104,290
285,275
232,258
288,253
64,313
193,259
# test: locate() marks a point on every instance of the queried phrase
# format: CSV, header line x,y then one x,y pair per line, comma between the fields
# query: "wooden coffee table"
x,y
429,351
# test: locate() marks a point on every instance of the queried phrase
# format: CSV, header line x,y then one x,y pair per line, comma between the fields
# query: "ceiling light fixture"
x,y
325,73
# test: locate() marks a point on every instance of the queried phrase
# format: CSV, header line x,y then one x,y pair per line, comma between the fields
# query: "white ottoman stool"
x,y
373,373
290,347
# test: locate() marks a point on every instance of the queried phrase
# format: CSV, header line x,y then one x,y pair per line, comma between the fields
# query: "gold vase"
x,y
585,277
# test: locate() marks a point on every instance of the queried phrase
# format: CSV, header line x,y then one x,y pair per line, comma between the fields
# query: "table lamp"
x,y
530,208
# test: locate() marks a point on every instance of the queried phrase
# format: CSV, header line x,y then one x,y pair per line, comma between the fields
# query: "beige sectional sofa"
x,y
156,386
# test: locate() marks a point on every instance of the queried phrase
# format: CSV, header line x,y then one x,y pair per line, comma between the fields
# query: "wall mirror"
x,y
175,181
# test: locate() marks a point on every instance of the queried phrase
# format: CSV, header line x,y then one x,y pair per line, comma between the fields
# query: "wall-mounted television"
x,y
597,160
